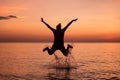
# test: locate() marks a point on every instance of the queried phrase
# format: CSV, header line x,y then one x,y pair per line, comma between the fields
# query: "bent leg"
x,y
69,46
64,51
50,51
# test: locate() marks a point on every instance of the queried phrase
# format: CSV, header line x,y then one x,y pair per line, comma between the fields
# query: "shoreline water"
x,y
26,61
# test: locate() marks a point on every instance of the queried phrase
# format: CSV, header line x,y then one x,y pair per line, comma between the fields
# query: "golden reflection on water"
x,y
27,61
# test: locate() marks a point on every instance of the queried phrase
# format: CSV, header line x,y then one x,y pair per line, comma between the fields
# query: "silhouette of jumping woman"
x,y
58,38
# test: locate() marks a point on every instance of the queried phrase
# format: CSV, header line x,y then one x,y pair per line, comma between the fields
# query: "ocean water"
x,y
87,61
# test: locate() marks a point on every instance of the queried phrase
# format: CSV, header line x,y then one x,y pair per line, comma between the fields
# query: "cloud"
x,y
7,17
12,16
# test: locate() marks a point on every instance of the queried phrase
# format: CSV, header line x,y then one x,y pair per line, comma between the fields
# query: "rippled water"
x,y
88,61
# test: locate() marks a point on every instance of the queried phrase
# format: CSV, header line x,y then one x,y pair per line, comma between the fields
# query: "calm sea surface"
x,y
89,61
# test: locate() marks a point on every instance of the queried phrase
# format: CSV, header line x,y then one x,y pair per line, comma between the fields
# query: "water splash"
x,y
63,68
66,62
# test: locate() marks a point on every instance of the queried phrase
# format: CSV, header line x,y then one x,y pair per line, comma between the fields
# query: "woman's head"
x,y
58,27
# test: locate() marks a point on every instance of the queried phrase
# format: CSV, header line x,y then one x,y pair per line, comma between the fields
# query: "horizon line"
x,y
65,41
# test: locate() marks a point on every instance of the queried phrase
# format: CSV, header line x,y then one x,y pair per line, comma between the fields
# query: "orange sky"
x,y
99,20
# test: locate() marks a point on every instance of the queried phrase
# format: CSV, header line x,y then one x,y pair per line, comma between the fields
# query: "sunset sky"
x,y
98,20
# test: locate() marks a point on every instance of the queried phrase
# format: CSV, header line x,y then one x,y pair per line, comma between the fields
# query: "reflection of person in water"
x,y
58,38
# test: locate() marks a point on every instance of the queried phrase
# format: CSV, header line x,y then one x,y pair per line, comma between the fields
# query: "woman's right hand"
x,y
42,20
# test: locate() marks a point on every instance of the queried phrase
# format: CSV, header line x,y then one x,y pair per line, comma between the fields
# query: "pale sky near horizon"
x,y
98,20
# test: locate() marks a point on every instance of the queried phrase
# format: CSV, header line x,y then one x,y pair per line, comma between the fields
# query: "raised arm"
x,y
69,24
47,24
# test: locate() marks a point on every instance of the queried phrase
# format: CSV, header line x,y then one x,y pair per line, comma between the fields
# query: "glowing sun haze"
x,y
98,20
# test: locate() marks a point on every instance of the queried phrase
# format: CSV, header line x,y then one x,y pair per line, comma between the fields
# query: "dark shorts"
x,y
61,48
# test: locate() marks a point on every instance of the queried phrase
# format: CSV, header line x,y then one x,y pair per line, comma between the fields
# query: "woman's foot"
x,y
69,46
45,49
